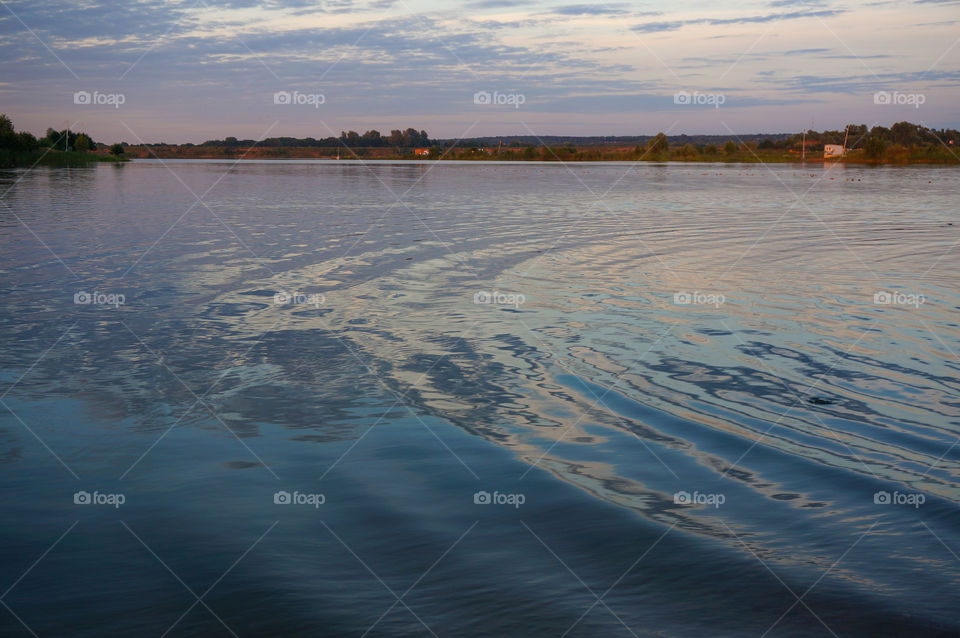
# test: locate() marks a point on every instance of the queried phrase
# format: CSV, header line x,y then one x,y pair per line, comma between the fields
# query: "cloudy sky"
x,y
190,70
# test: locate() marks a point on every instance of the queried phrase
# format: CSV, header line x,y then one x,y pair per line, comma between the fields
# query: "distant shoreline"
x,y
581,154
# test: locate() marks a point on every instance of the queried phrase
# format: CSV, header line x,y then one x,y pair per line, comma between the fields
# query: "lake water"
x,y
701,400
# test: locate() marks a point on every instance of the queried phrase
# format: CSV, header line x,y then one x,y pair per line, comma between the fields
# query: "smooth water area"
x,y
704,399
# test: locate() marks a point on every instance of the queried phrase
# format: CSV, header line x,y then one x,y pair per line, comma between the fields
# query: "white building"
x,y
833,150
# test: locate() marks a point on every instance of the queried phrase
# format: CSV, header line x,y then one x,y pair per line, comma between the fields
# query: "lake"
x,y
318,398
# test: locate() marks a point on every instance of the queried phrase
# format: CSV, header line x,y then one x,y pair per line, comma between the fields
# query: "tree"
x,y
710,149
26,142
10,140
689,150
904,133
116,149
730,147
857,134
82,143
875,148
6,125
659,144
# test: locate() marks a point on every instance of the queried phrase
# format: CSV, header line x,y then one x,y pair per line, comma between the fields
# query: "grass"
x,y
46,157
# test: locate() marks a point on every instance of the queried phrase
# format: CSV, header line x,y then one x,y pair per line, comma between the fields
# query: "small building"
x,y
833,150
421,152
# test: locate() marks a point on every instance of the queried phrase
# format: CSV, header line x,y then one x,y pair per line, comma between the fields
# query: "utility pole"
x,y
66,141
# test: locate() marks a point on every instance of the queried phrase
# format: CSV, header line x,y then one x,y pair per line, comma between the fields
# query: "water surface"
x,y
787,400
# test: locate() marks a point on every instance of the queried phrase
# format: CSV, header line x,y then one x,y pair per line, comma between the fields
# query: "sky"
x,y
192,70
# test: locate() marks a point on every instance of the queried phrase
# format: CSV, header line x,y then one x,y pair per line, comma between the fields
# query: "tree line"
x,y
409,138
24,142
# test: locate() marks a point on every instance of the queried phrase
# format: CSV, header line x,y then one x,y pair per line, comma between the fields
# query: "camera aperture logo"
x,y
96,98
296,98
298,298
685,98
96,498
696,498
496,98
896,298
497,498
497,298
914,499
84,298
896,98
298,498
697,298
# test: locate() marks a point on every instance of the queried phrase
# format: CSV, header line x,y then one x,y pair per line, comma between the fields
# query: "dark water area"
x,y
479,399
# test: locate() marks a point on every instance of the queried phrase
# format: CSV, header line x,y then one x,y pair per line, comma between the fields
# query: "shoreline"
x,y
586,156
55,158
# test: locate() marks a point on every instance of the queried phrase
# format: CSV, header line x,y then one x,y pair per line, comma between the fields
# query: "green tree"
x,y
710,149
730,147
82,143
659,144
6,125
116,149
904,133
26,142
875,148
